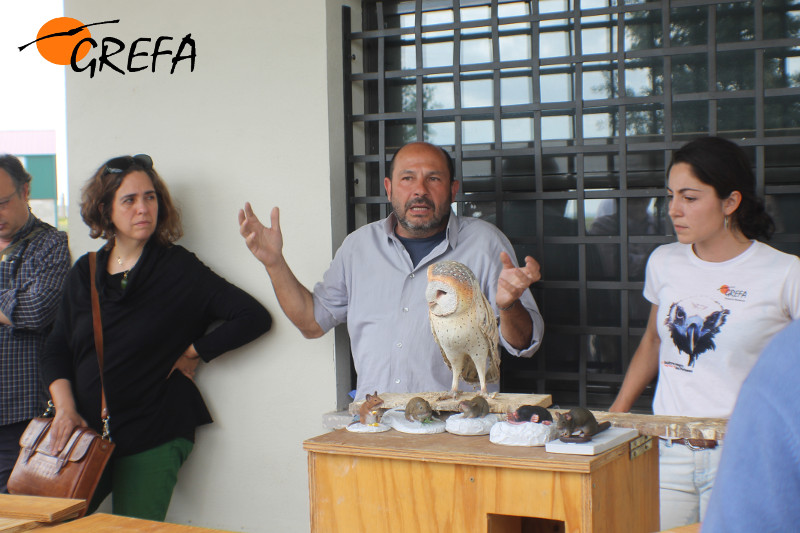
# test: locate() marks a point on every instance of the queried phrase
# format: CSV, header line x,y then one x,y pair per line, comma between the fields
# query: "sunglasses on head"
x,y
123,163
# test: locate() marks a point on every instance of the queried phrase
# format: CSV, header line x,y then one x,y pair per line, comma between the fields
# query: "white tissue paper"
x,y
396,418
524,434
459,425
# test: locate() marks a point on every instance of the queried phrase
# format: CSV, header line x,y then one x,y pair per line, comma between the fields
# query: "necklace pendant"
x,y
124,282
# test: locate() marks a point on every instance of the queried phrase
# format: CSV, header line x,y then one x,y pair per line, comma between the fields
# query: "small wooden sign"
x,y
39,508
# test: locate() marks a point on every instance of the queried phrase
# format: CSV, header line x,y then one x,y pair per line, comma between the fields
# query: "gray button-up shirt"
x,y
373,286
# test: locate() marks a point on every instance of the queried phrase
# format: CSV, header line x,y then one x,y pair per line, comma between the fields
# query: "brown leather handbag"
x,y
76,470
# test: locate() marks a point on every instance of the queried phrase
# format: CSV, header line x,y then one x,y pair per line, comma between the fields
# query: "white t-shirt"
x,y
714,319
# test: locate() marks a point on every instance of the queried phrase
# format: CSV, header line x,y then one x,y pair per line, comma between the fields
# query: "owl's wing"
x,y
439,344
487,322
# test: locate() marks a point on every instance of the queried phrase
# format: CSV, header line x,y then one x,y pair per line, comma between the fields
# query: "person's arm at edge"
x,y
35,304
516,324
295,299
266,245
643,367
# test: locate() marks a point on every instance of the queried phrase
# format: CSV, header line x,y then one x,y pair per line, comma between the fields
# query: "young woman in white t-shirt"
x,y
718,296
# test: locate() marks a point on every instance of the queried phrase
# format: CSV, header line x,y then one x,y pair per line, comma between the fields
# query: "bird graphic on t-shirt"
x,y
693,323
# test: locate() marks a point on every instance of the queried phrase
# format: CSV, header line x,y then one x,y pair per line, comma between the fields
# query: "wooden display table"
x,y
397,482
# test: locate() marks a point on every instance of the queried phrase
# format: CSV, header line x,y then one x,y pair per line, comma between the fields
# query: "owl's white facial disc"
x,y
442,298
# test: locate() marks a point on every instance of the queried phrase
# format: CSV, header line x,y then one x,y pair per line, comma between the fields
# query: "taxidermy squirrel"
x,y
368,413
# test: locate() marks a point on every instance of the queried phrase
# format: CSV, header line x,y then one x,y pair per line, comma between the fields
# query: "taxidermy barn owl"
x,y
463,324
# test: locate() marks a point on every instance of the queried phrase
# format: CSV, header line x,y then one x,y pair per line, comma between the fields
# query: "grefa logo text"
x,y
112,46
67,41
732,293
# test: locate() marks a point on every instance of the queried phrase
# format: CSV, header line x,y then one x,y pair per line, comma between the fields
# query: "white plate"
x,y
358,427
458,425
524,434
397,419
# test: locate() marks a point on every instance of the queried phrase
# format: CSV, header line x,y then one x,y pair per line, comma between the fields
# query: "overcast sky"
x,y
31,88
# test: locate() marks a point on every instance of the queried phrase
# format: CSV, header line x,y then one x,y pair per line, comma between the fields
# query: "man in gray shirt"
x,y
376,281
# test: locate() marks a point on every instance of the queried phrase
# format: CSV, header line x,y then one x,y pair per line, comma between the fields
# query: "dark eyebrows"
x,y
685,189
432,173
134,194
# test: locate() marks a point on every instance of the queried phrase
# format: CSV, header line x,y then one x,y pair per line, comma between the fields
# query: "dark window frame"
x,y
369,73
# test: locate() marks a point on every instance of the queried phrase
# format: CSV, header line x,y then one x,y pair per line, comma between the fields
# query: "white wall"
x,y
256,121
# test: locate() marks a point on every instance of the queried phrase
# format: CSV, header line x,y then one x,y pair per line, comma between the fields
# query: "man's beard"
x,y
422,227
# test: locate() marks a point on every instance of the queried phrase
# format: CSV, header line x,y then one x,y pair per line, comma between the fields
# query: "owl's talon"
x,y
451,395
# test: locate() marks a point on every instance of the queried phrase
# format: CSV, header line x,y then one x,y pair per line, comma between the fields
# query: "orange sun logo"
x,y
61,36
724,289
58,37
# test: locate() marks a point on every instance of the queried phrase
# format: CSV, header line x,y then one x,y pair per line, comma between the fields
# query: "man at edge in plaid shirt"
x,y
34,259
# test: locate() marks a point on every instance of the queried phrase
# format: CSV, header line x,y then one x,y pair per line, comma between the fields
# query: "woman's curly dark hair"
x,y
722,164
97,200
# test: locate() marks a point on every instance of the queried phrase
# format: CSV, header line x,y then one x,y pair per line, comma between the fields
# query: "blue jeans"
x,y
686,477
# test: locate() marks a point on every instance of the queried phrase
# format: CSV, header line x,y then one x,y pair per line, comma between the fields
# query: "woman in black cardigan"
x,y
157,304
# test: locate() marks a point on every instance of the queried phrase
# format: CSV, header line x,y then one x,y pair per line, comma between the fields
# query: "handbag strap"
x,y
97,325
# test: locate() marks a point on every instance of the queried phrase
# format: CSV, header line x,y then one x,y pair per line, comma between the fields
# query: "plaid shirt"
x,y
31,279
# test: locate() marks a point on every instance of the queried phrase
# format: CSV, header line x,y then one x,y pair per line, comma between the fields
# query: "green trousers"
x,y
141,484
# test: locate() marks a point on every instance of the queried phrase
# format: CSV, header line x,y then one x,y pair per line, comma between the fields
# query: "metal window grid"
x,y
715,68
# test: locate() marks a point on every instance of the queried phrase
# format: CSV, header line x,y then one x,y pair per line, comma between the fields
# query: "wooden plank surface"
x,y
39,508
12,525
449,448
502,403
675,427
106,523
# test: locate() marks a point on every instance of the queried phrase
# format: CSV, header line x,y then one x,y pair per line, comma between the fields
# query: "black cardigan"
x,y
170,302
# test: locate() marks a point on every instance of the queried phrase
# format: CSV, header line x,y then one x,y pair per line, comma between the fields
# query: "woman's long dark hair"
x,y
723,165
